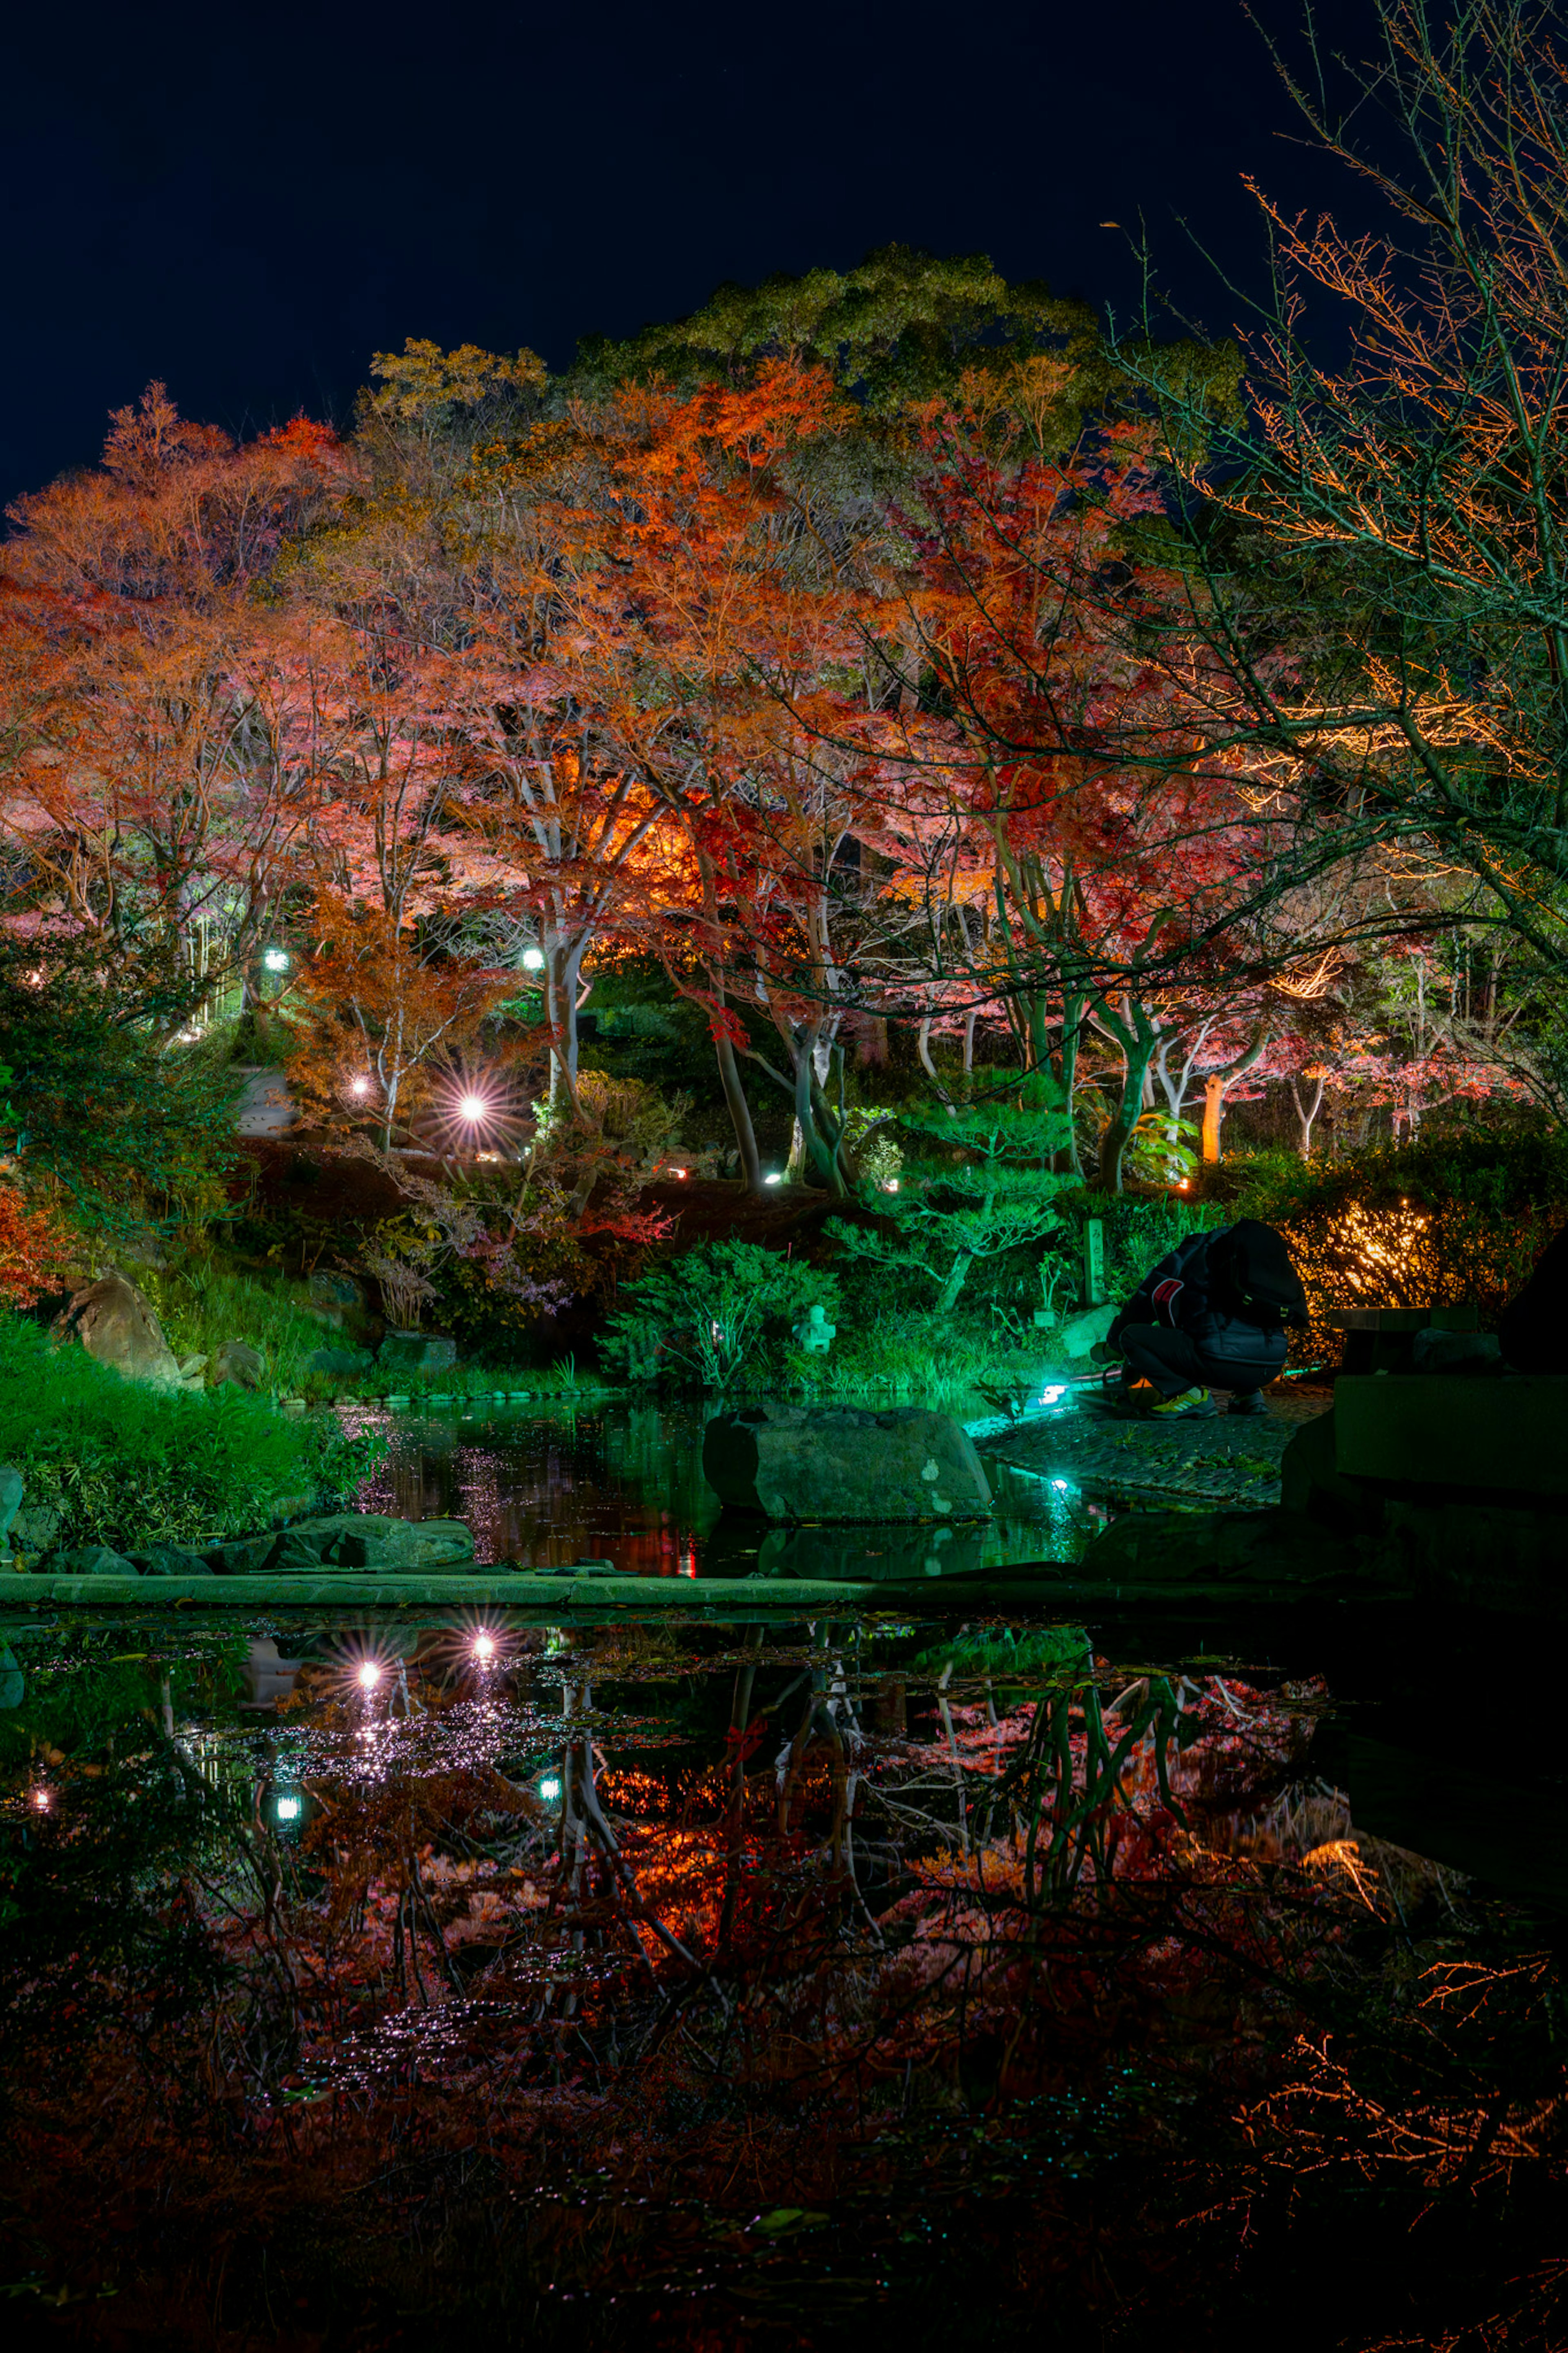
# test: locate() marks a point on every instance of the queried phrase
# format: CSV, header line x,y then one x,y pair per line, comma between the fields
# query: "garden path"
x,y
1162,1462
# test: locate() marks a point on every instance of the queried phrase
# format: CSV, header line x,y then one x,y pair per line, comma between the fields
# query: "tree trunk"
x,y
1305,1116
1113,1144
923,1049
1215,1085
957,1275
826,1161
740,1111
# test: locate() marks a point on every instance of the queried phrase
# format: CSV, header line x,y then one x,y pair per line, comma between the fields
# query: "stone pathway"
x,y
1203,1464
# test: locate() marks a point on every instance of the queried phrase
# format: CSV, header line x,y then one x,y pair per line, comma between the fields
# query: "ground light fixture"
x,y
773,1180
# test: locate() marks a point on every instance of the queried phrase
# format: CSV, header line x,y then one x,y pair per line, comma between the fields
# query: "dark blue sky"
x,y
248,204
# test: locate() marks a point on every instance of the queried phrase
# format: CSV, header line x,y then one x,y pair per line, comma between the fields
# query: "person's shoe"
x,y
1190,1405
1247,1403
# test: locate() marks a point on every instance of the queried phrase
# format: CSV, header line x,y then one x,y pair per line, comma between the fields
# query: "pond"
x,y
624,1482
476,1980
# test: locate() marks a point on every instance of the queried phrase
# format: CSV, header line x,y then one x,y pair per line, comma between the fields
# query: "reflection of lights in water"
x,y
289,1808
549,1788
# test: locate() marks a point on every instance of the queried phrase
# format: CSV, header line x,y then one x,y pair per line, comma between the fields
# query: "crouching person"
x,y
1212,1312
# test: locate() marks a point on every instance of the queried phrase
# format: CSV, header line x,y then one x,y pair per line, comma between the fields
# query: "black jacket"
x,y
1191,1291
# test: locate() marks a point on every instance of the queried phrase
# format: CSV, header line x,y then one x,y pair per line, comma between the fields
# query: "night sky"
x,y
249,203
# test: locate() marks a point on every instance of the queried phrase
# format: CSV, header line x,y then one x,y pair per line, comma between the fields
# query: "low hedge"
x,y
124,1463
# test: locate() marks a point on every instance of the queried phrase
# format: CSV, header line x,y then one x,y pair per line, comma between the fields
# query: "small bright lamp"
x,y
289,1810
275,959
549,1788
368,1674
533,959
473,1108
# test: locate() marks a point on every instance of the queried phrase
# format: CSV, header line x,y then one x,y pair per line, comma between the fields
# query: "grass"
x,y
203,1304
558,1380
126,1464
916,1358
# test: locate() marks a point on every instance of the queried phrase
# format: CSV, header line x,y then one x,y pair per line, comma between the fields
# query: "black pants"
x,y
1171,1361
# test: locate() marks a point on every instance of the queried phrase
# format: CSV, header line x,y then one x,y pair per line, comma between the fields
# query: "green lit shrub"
x,y
123,1462
718,1309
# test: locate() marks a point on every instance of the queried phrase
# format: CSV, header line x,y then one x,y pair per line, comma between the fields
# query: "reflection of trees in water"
x,y
625,1485
829,1980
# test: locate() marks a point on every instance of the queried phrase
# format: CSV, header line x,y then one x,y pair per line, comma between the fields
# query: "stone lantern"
x,y
816,1333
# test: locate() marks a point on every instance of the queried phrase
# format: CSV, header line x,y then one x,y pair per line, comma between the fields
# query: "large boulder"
x,y
844,1462
337,1363
417,1352
168,1560
116,1325
238,1365
333,1296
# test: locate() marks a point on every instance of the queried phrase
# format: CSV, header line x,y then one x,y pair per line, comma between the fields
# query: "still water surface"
x,y
467,1979
624,1482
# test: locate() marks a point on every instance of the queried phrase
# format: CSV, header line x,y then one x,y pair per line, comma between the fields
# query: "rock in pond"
x,y
844,1462
416,1352
344,1540
167,1560
239,1363
116,1325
